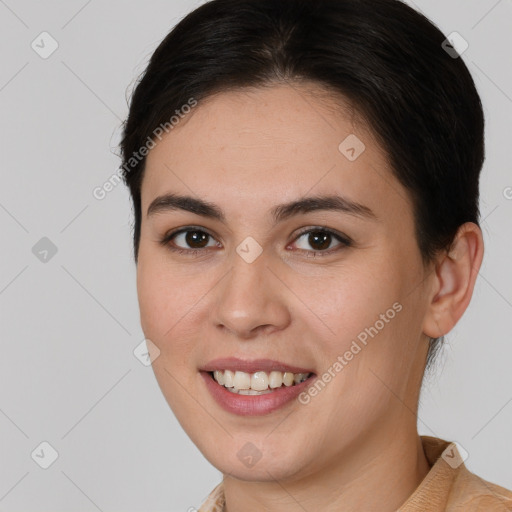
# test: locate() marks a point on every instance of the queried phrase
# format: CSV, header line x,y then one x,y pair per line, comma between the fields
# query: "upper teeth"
x,y
258,381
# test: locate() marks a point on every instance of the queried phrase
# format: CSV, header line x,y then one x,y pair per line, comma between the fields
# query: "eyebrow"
x,y
173,202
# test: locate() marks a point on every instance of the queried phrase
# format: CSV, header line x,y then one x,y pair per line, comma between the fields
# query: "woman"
x,y
304,178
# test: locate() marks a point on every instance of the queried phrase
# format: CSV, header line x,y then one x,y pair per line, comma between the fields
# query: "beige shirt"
x,y
448,487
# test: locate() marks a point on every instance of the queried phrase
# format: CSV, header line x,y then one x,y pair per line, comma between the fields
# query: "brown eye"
x,y
320,240
188,240
196,238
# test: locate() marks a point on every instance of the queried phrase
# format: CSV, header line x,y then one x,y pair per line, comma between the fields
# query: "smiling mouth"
x,y
257,383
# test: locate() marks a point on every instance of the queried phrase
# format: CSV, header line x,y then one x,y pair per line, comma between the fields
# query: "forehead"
x,y
267,146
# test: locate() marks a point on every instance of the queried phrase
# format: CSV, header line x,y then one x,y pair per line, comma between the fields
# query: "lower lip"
x,y
253,405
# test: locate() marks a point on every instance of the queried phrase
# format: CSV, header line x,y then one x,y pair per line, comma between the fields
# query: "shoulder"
x,y
451,487
470,493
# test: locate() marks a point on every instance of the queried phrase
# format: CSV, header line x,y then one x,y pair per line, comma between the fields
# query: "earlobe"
x,y
453,282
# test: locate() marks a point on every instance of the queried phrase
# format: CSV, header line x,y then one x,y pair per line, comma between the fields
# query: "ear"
x,y
454,280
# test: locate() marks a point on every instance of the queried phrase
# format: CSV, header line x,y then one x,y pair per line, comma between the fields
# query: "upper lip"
x,y
251,366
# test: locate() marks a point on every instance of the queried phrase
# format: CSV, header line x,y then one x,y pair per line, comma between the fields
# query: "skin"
x,y
355,445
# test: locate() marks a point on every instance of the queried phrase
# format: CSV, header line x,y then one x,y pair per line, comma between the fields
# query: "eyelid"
x,y
178,231
340,236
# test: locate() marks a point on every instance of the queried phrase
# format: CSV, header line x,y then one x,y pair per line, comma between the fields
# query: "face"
x,y
233,280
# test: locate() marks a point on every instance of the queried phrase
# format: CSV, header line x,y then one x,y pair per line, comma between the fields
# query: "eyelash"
x,y
344,240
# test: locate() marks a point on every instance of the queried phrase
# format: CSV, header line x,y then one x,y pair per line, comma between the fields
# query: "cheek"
x,y
153,297
163,317
158,297
170,304
372,321
349,302
378,330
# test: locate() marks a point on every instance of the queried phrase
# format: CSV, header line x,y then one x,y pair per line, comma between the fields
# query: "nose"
x,y
250,300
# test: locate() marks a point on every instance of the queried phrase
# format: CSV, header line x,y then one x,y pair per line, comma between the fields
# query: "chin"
x,y
256,459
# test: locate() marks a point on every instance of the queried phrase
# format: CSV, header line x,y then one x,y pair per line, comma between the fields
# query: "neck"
x,y
379,475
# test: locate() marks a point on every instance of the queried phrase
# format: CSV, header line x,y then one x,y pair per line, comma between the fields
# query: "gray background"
x,y
69,325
